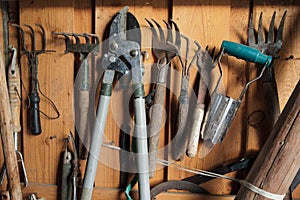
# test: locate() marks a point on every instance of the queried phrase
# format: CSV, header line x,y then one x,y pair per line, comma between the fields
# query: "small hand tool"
x,y
32,55
271,45
223,109
164,50
205,64
82,50
66,172
14,90
124,56
180,140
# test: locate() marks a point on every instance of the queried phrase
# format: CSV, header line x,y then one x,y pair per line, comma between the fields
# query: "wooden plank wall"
x,y
208,22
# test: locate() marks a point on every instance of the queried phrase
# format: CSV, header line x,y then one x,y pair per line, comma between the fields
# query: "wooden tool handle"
x,y
181,135
7,138
193,140
155,125
14,88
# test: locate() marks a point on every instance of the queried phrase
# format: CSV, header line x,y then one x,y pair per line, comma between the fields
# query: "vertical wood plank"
x,y
202,21
55,74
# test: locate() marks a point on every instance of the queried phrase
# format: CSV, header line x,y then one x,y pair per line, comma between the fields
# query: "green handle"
x,y
246,53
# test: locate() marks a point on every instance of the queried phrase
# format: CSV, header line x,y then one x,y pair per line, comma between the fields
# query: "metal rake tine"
x,y
260,38
22,37
43,35
87,38
280,28
154,33
161,32
75,35
170,35
67,39
93,37
32,35
271,29
251,35
178,36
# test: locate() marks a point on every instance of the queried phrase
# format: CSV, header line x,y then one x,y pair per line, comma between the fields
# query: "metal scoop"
x,y
223,109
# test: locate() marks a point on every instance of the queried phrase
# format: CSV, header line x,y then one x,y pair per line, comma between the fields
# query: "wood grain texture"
x,y
208,22
55,73
276,165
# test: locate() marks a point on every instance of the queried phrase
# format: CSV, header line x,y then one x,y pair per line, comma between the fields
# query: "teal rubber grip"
x,y
246,53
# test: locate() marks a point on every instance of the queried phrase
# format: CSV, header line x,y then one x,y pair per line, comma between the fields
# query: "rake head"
x,y
272,43
91,42
162,47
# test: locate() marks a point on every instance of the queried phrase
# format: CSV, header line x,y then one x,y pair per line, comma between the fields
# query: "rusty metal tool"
x,y
271,45
164,50
181,142
223,109
124,56
82,50
32,55
205,64
66,171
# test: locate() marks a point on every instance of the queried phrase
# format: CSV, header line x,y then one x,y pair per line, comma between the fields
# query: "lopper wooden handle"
x,y
14,88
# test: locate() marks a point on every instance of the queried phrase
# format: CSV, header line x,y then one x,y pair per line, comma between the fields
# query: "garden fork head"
x,y
272,45
165,49
33,52
91,42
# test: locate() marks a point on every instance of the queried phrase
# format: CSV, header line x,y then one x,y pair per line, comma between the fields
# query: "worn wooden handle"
x,y
181,135
14,88
155,125
7,138
193,140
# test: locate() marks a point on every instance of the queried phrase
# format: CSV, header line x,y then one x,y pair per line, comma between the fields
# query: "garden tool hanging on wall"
x,y
123,56
34,99
222,108
164,50
81,52
181,139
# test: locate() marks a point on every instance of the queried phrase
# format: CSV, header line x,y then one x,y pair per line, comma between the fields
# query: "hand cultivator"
x,y
32,55
164,50
83,82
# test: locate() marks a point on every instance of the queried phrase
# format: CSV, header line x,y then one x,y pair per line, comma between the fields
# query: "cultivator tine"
x,y
43,35
161,32
280,29
251,35
154,34
32,36
169,35
79,47
271,29
178,36
24,49
260,38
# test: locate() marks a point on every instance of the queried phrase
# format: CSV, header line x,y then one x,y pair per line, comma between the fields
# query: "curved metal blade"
x,y
133,29
118,25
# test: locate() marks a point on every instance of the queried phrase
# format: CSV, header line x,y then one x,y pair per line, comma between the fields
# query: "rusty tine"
x,y
170,35
32,35
177,33
44,36
161,32
270,46
22,36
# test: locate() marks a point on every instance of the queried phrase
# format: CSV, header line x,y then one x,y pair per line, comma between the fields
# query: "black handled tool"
x,y
32,55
